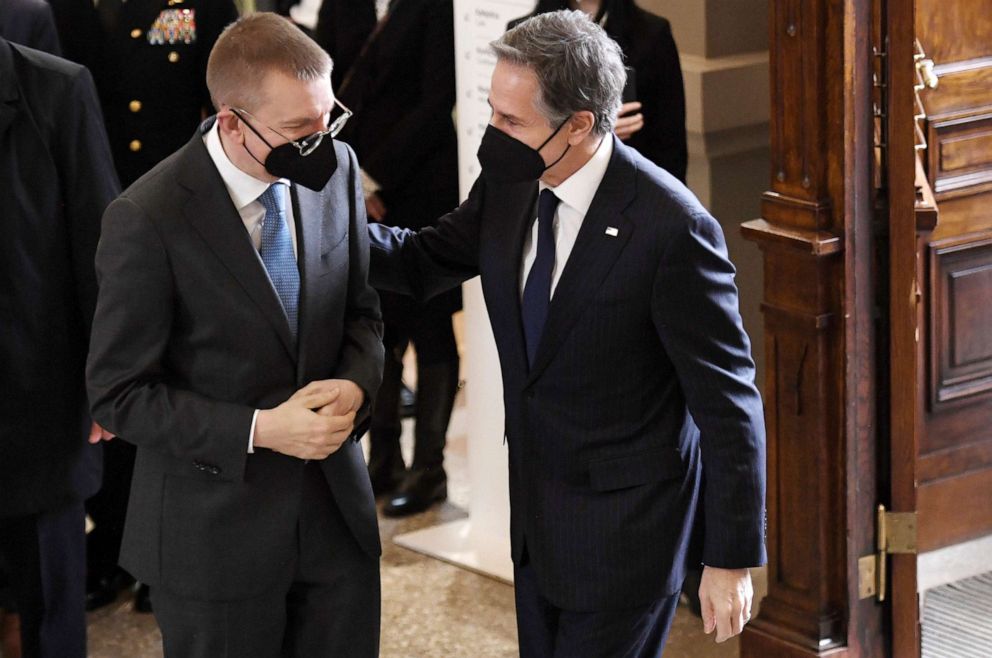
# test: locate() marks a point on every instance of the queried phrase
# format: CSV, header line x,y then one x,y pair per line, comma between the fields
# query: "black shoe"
x,y
419,491
104,590
142,599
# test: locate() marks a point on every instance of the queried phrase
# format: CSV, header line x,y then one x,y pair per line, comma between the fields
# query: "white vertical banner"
x,y
481,542
477,24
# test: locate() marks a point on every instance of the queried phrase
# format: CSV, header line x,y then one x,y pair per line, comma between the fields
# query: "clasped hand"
x,y
313,423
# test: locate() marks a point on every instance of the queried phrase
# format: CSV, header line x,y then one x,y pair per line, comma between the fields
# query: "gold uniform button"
x,y
134,106
136,33
173,57
135,145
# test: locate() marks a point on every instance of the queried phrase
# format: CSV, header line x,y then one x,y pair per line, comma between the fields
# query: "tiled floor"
x,y
430,609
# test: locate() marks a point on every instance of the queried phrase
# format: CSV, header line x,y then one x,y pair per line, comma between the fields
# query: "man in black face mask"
x,y
238,346
627,374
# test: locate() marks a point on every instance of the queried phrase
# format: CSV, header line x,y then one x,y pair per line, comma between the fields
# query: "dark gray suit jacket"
x,y
190,338
641,387
57,179
29,23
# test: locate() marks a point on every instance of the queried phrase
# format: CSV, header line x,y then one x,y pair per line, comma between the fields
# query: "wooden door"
x,y
941,341
955,441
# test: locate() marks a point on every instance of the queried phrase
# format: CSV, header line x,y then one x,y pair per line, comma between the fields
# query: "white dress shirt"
x,y
244,190
575,194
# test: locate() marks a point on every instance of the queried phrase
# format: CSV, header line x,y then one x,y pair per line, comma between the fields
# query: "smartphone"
x,y
630,89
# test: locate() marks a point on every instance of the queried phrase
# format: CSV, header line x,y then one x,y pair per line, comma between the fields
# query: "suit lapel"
x,y
503,296
308,211
213,215
592,257
9,93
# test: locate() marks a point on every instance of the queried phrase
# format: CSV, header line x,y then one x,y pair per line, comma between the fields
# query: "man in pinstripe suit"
x,y
627,374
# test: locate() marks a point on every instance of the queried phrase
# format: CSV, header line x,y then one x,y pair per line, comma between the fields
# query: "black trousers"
x,y
329,604
108,509
547,631
428,327
44,556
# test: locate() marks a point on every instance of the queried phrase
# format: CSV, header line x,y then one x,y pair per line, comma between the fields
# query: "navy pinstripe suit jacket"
x,y
643,384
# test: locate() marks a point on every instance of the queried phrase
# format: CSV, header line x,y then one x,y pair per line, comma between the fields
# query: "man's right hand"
x,y
375,207
295,429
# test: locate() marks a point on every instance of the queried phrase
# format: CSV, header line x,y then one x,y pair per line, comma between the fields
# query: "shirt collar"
x,y
578,190
243,188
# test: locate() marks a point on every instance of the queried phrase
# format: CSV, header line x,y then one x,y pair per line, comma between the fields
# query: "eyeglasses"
x,y
308,144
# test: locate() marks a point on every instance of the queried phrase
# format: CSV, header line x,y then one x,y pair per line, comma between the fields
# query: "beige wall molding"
x,y
725,92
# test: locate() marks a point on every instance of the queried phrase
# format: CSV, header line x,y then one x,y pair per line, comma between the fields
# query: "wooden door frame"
x,y
905,276
816,235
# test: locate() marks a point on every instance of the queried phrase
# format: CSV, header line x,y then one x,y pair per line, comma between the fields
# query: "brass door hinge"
x,y
896,533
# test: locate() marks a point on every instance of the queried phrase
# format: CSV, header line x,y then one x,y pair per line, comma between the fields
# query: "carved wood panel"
x,y
960,154
960,320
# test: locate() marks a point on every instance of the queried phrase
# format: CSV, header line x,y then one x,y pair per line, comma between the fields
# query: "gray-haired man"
x,y
627,374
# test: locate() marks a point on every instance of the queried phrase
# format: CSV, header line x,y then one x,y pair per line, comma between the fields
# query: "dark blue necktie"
x,y
277,252
537,290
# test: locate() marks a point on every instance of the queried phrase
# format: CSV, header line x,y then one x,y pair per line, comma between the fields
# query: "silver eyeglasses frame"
x,y
308,144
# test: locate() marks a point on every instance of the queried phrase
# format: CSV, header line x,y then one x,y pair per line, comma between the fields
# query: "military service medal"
x,y
173,26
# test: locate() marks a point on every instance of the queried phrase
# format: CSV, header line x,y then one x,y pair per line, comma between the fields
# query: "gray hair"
x,y
578,66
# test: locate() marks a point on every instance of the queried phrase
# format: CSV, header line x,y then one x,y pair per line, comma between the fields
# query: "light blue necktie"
x,y
277,252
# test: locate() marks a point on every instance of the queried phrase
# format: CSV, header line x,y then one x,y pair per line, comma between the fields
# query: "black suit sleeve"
x,y
361,356
437,258
130,393
695,312
89,183
418,128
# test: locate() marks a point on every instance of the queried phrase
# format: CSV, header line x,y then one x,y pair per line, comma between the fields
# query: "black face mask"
x,y
285,161
505,159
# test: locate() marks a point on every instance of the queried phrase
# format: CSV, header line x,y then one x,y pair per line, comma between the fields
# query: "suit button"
x,y
135,145
215,470
173,57
134,106
136,33
530,395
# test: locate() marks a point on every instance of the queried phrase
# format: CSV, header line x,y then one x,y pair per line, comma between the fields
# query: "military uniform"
x,y
149,60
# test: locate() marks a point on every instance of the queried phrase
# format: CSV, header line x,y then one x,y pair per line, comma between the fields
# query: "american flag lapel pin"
x,y
612,231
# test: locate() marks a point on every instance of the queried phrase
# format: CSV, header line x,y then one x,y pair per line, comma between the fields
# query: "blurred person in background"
x,y
395,68
58,178
28,23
